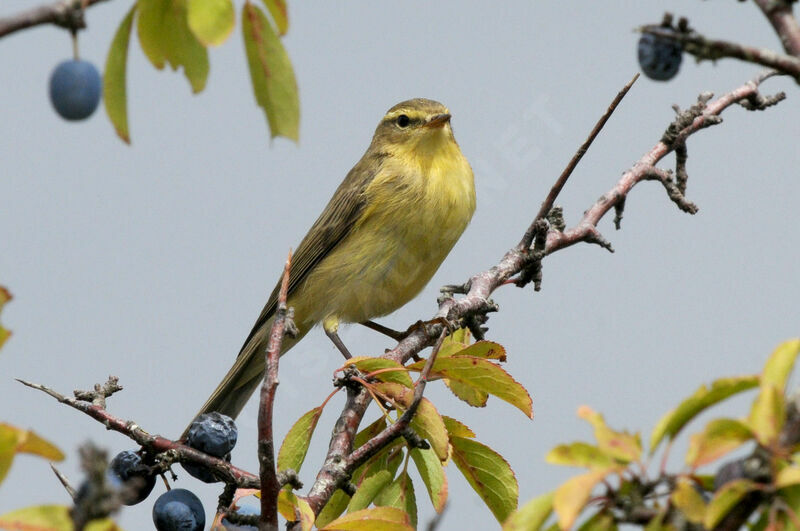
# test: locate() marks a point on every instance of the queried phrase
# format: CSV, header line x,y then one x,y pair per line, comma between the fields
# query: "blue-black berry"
x,y
211,433
75,89
128,467
179,510
659,58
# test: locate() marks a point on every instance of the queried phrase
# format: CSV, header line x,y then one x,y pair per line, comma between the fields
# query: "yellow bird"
x,y
378,242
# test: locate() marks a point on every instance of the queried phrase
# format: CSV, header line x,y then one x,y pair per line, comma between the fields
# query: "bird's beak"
x,y
437,120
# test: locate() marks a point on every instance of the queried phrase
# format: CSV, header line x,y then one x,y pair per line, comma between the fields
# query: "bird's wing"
x,y
332,226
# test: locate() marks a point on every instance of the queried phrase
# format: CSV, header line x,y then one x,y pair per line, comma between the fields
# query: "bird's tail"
x,y
245,375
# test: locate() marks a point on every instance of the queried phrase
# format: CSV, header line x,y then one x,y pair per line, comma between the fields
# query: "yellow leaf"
x,y
688,500
102,524
470,395
295,509
295,446
767,415
38,518
481,349
376,519
719,437
483,375
280,14
211,21
8,449
532,515
787,476
780,363
115,97
271,73
579,454
620,445
671,423
165,37
5,296
725,499
400,494
488,474
432,473
385,370
457,429
571,497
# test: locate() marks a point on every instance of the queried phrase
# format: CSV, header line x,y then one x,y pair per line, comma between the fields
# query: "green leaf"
x,y
532,515
488,474
376,519
481,349
432,473
726,499
671,424
39,518
618,444
295,445
115,97
457,429
271,72
394,372
368,489
280,14
780,363
579,454
165,37
336,505
571,497
719,437
467,393
767,415
211,21
482,375
369,432
400,494
429,424
688,501
600,521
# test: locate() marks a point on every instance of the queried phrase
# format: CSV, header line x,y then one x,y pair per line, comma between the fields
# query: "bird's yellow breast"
x,y
417,206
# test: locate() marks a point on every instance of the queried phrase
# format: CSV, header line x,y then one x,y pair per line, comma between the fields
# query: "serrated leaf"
x,y
488,474
484,349
725,499
579,454
456,428
620,445
39,518
115,78
400,494
571,497
336,506
295,509
394,372
673,421
719,437
467,393
787,477
271,73
780,363
211,21
600,521
688,501
368,489
767,415
483,375
280,14
433,476
532,515
295,446
375,519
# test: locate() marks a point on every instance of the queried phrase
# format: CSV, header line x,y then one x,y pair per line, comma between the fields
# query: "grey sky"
x,y
151,262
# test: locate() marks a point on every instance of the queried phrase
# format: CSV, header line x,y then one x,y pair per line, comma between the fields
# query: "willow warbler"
x,y
379,240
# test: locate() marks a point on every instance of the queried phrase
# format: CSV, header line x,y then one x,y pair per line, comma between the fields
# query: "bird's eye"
x,y
403,120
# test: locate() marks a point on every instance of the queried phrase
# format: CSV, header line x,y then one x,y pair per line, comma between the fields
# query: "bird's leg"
x,y
385,330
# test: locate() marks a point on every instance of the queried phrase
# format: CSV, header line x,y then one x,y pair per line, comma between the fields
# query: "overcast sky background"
x,y
152,261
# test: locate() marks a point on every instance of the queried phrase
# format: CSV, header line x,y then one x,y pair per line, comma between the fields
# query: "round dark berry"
x,y
75,89
212,433
659,58
179,510
128,467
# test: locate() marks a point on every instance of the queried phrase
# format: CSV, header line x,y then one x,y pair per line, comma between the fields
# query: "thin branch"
x,y
172,450
482,285
270,485
550,200
65,13
780,15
